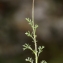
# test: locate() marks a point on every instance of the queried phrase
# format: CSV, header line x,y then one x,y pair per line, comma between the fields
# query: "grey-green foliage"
x,y
33,35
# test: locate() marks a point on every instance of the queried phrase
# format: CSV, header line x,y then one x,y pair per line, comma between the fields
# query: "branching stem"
x,y
34,34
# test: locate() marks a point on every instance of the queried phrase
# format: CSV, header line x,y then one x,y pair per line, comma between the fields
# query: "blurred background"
x,y
49,17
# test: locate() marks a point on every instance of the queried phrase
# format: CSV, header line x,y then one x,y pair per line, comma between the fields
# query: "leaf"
x,y
43,61
29,59
40,49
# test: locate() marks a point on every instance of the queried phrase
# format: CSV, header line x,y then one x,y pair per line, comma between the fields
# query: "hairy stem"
x,y
34,34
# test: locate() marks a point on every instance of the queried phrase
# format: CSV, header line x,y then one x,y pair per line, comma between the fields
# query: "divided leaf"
x,y
29,59
40,49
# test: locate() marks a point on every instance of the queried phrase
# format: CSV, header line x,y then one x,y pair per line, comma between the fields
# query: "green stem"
x,y
34,35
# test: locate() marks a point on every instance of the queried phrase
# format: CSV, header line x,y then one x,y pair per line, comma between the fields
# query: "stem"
x,y
34,34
